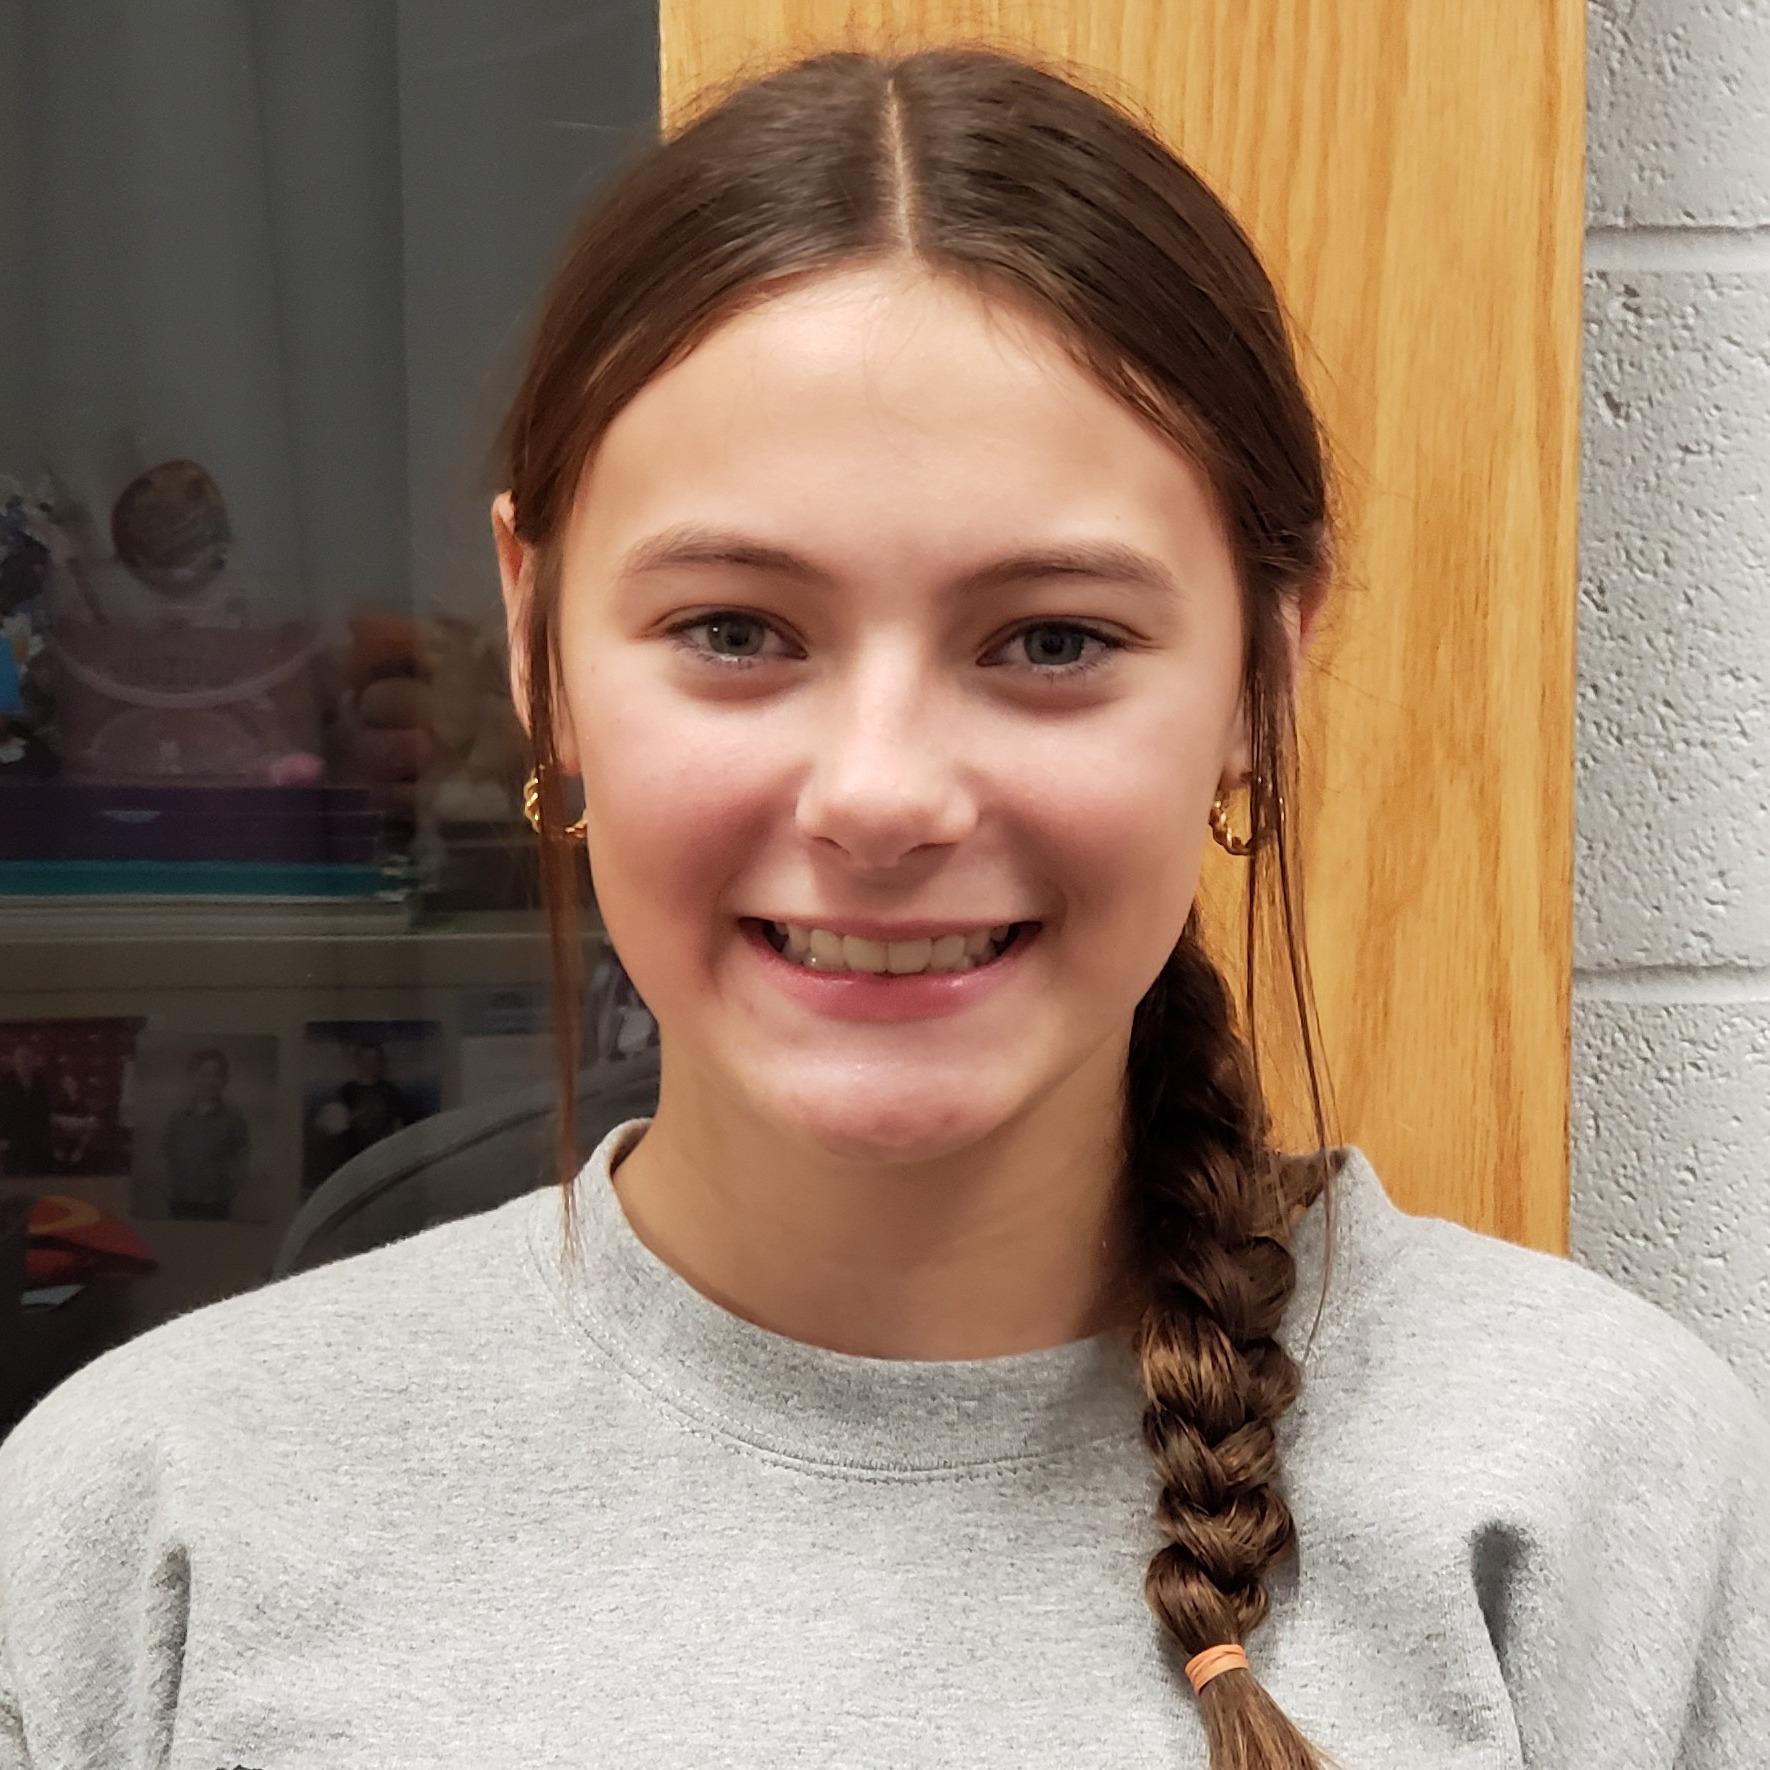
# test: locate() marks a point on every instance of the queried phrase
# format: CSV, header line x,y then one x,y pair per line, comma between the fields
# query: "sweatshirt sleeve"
x,y
1628,1590
93,1593
12,1727
1727,1721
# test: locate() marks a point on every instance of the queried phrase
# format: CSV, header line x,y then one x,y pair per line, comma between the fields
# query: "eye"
x,y
744,633
1055,651
1055,648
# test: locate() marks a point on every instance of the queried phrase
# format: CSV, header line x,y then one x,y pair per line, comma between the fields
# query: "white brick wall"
x,y
1671,1047
1678,113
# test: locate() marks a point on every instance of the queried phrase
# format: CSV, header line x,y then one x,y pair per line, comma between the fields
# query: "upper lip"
x,y
868,928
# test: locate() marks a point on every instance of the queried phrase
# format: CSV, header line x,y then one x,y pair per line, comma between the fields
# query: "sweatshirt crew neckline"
x,y
860,1415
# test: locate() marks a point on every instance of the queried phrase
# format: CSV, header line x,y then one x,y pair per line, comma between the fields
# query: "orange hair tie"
x,y
1203,1667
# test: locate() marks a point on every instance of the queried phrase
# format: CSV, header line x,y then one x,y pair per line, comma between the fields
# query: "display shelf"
x,y
468,948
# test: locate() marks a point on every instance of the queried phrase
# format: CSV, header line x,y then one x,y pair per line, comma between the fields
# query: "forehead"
x,y
890,416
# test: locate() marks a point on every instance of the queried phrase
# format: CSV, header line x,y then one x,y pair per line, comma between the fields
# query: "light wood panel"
x,y
1411,171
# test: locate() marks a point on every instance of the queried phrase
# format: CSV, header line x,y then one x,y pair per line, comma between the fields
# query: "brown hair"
x,y
1020,181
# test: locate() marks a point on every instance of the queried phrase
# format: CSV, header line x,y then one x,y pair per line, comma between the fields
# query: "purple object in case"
x,y
78,820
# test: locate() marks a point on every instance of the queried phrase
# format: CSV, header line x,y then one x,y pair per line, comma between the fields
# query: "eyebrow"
x,y
689,544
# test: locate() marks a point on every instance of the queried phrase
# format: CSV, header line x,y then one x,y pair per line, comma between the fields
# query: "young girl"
x,y
913,525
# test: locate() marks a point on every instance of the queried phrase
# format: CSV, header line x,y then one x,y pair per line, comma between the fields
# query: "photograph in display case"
x,y
205,1126
66,1090
362,1080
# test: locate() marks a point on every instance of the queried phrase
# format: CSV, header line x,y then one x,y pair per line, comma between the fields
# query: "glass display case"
x,y
266,892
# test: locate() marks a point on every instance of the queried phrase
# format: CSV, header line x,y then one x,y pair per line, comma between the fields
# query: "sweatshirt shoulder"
x,y
1494,1324
388,1319
1540,1300
352,1368
1604,1475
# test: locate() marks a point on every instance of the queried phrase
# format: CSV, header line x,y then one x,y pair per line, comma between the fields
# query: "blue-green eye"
x,y
1052,648
1054,651
1041,651
745,633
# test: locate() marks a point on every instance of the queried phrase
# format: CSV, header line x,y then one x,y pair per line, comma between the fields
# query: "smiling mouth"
x,y
816,949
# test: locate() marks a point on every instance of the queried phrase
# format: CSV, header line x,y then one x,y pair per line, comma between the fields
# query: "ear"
x,y
1238,760
1310,602
516,575
1301,616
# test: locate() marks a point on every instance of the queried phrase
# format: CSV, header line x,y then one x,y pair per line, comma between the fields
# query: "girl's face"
x,y
879,615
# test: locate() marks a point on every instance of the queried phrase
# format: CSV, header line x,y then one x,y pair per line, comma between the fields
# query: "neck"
x,y
1010,1244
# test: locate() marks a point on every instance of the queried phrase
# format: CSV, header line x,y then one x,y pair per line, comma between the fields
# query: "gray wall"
x,y
1671,1024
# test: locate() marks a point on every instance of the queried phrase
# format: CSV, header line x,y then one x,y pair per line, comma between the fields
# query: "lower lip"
x,y
867,995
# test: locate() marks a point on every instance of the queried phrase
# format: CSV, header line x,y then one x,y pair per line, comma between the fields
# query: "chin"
x,y
880,1123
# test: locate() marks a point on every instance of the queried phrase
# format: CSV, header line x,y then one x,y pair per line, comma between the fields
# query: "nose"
x,y
884,775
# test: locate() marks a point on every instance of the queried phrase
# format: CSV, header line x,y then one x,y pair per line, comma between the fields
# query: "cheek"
x,y
675,798
1118,811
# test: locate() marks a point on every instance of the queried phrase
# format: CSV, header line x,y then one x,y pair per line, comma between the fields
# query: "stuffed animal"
x,y
427,719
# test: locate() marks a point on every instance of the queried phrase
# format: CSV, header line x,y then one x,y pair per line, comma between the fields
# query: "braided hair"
x,y
1217,1279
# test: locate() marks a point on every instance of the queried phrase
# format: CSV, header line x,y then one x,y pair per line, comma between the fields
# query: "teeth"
x,y
862,955
907,955
824,951
949,954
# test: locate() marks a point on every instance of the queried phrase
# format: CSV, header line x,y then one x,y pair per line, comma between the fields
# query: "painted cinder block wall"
x,y
1671,1010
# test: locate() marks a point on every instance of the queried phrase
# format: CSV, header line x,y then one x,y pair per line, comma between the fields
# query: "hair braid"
x,y
1217,1275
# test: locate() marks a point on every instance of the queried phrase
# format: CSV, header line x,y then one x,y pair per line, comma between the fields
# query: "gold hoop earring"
x,y
1220,829
531,809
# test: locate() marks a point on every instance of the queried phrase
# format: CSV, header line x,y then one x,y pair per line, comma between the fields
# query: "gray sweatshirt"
x,y
446,1504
